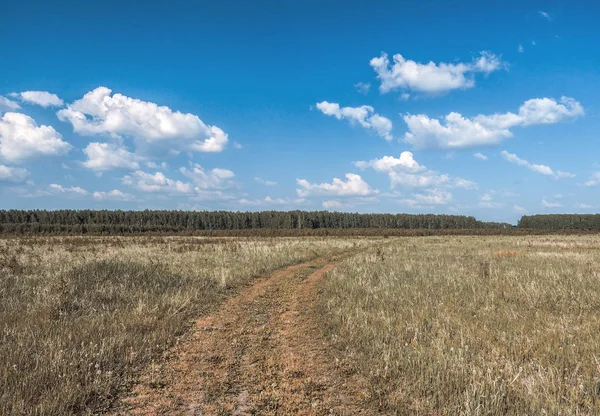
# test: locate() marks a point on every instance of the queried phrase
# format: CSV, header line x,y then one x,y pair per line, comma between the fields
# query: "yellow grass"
x,y
447,326
79,316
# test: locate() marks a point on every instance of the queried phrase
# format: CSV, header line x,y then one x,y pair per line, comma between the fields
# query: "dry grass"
x,y
446,326
79,316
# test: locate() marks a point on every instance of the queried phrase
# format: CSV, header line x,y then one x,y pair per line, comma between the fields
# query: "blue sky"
x,y
431,106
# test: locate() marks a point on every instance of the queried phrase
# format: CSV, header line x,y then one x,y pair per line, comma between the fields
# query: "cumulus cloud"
x,y
431,77
519,209
353,186
362,87
332,204
264,181
107,156
73,190
271,201
364,115
21,139
428,198
214,179
100,113
8,105
520,49
480,156
548,204
487,201
41,98
156,182
12,174
594,180
455,131
543,169
405,171
154,165
114,195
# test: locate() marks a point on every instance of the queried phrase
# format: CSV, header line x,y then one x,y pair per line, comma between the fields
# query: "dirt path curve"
x,y
259,353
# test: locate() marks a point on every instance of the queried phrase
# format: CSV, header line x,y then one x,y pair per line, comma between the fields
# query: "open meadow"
x,y
439,325
471,325
80,316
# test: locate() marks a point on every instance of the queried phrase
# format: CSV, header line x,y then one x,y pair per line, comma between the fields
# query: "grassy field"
x,y
471,325
80,316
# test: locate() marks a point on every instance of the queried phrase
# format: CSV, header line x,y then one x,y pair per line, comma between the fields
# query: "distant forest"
x,y
136,222
302,222
583,222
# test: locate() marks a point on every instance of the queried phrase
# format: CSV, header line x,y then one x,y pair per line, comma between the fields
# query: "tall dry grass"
x,y
456,326
79,316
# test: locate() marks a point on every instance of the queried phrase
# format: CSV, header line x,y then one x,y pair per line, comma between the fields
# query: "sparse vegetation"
x,y
80,316
471,325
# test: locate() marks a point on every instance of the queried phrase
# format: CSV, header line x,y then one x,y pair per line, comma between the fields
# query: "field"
x,y
439,325
472,325
81,315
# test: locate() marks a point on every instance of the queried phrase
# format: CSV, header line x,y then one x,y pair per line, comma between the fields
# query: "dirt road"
x,y
259,353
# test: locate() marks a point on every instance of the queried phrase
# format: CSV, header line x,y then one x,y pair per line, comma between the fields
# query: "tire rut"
x,y
259,353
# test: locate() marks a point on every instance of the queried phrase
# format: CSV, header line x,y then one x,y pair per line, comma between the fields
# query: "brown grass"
x,y
443,326
80,316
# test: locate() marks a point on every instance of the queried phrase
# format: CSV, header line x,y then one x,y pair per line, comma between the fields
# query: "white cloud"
x,y
332,204
491,204
480,156
11,174
583,206
520,49
594,180
99,112
548,204
428,198
154,165
405,171
75,190
41,98
107,156
21,139
8,105
237,145
519,209
213,179
363,87
545,15
487,201
558,196
158,182
353,186
363,115
114,195
264,181
271,201
456,131
543,169
431,77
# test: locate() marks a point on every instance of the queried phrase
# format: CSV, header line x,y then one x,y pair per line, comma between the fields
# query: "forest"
x,y
135,222
104,222
583,222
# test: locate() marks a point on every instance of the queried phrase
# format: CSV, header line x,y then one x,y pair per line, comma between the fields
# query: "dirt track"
x,y
259,353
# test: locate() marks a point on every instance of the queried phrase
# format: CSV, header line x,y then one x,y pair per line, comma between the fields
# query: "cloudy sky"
x,y
418,106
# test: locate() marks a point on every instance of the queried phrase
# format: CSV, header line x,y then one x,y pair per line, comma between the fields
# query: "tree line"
x,y
136,222
583,222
